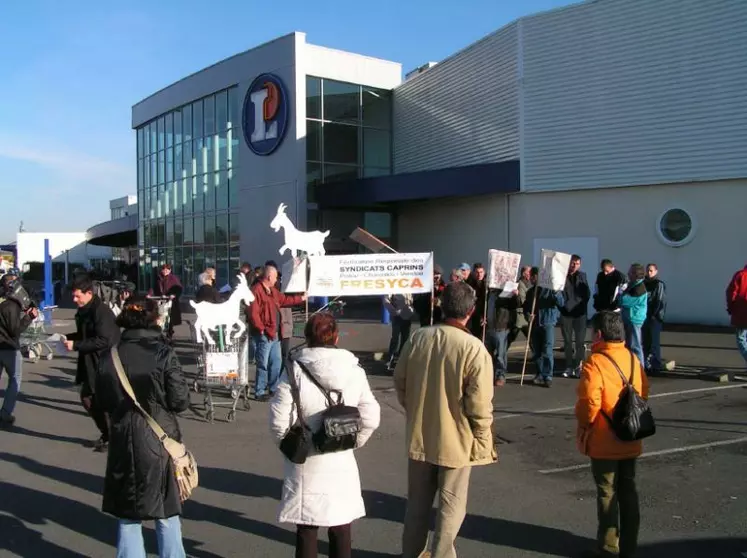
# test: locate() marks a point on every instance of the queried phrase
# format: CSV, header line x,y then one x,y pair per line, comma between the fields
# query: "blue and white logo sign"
x,y
265,114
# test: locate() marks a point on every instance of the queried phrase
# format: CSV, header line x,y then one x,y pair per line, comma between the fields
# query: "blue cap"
x,y
465,266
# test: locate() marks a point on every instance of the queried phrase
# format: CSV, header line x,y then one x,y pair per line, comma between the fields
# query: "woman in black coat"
x,y
140,483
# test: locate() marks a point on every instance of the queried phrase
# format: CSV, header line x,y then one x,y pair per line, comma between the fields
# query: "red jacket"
x,y
736,299
263,312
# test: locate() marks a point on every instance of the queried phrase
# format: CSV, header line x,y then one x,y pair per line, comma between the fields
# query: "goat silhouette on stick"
x,y
296,241
211,316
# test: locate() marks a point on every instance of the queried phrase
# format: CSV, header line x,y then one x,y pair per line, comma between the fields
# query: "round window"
x,y
676,227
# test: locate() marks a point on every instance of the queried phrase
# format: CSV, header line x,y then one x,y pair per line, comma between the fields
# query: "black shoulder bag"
x,y
296,444
340,423
631,418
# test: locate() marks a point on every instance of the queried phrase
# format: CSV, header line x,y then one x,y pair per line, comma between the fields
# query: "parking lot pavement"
x,y
537,501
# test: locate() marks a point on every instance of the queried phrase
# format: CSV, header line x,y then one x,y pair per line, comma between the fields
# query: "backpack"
x,y
631,418
340,423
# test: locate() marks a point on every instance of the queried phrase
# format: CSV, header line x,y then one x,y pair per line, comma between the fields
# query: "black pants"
x,y
88,398
339,541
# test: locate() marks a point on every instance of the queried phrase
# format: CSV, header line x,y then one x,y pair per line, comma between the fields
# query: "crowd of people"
x,y
444,377
500,316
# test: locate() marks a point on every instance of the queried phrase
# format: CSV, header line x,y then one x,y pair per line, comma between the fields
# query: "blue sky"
x,y
71,71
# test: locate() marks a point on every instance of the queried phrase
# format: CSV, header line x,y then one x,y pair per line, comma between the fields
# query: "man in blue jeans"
x,y
264,318
546,316
16,315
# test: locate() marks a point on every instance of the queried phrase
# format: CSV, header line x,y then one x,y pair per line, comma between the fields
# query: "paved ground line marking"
x,y
653,396
656,454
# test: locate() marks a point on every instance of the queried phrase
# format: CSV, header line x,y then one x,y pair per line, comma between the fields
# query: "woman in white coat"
x,y
326,490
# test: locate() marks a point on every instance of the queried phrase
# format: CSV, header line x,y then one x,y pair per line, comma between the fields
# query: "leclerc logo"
x,y
265,114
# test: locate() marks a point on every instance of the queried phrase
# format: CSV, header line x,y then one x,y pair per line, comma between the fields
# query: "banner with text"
x,y
371,274
554,269
294,276
503,268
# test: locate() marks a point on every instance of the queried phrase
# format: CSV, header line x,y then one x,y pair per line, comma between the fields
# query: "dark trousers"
x,y
400,335
340,545
543,342
618,513
88,398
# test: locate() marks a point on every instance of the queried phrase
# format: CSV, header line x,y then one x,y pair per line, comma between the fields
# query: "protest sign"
x,y
553,269
503,267
294,276
371,274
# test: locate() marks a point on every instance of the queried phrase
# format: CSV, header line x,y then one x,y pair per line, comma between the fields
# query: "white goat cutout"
x,y
211,316
296,241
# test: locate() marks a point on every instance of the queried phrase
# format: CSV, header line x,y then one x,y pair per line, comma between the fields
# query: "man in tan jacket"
x,y
444,380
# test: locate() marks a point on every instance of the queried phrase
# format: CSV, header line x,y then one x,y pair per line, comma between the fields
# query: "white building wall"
x,y
463,111
346,66
456,230
626,92
624,220
30,248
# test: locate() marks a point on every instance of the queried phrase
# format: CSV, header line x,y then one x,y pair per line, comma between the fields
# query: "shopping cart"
x,y
35,340
222,366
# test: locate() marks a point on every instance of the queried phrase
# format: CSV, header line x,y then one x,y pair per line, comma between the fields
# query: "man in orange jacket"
x,y
613,461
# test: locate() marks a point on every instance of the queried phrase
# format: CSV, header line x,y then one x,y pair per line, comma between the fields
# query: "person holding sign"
x,y
546,314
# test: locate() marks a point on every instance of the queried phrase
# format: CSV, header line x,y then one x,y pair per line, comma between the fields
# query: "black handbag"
x,y
631,418
340,423
296,444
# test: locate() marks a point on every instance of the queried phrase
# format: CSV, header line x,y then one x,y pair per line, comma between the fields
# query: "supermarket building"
x,y
609,128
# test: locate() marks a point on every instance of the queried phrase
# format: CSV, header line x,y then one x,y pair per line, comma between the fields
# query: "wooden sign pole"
x,y
485,312
529,331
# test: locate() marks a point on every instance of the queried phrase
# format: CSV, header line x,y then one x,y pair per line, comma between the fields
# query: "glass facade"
x,y
188,190
348,136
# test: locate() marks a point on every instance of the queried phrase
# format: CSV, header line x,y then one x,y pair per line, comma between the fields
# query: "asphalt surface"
x,y
539,500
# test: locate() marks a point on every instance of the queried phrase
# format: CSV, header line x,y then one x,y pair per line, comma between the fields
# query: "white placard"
x,y
502,268
220,364
553,269
294,276
371,274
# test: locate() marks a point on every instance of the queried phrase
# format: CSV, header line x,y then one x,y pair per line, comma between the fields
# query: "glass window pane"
x,y
170,232
341,101
153,137
233,230
340,143
199,261
377,107
233,108
208,189
313,97
187,157
199,230
209,256
189,236
313,141
161,166
199,155
378,224
209,112
197,119
233,148
233,189
153,203
154,169
170,164
160,198
337,173
161,133
187,122
146,172
176,197
222,150
211,161
139,142
178,164
178,126
169,129
221,190
313,180
140,165
198,199
168,201
376,148
178,232
221,111
221,229
221,266
210,229
186,195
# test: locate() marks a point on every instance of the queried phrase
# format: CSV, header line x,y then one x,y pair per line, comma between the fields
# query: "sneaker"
x,y
500,382
101,445
546,383
568,373
670,365
538,381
